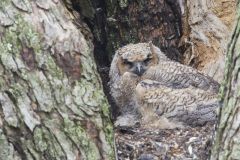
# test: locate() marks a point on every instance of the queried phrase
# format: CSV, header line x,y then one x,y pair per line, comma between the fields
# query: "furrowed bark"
x,y
227,143
52,105
208,26
192,32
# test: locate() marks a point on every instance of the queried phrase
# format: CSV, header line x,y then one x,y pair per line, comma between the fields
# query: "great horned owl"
x,y
166,107
143,79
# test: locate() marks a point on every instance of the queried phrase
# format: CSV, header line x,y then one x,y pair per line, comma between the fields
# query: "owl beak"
x,y
139,69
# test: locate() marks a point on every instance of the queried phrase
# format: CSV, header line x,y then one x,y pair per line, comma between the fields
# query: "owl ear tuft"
x,y
152,49
150,43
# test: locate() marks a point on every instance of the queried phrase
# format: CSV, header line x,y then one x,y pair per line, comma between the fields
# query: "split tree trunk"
x,y
52,105
193,32
227,144
208,25
51,100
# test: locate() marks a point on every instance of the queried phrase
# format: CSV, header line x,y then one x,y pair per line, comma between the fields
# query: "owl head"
x,y
136,58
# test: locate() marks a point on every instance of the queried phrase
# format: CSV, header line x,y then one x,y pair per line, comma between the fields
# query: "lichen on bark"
x,y
51,85
227,144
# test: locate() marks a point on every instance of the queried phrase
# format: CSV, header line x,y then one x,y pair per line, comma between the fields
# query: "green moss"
x,y
17,89
4,151
235,150
229,103
53,69
105,108
45,142
108,130
2,83
22,34
123,3
111,7
4,3
87,9
94,97
28,35
15,37
80,137
39,140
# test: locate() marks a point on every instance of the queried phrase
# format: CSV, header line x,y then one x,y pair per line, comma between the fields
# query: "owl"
x,y
166,107
164,93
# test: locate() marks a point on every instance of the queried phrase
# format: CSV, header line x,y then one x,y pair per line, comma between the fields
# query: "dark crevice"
x,y
97,25
13,136
113,26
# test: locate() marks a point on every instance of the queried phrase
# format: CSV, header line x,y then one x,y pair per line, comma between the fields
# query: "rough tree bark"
x,y
207,28
227,143
115,23
131,21
196,36
51,101
192,32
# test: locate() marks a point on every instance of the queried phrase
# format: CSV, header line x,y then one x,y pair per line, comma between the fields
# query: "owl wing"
x,y
123,92
190,105
176,75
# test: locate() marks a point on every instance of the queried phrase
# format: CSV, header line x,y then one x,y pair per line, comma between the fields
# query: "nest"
x,y
171,144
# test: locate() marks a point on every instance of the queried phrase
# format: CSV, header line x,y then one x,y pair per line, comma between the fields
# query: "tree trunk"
x,y
227,143
131,21
208,25
51,101
192,32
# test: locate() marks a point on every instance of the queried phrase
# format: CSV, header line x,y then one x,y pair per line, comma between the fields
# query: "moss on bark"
x,y
50,79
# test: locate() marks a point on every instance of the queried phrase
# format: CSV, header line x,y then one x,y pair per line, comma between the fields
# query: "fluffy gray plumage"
x,y
167,94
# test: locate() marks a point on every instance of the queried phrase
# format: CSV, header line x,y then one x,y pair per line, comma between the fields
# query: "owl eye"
x,y
127,62
146,61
